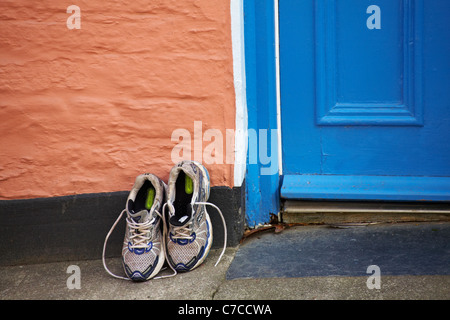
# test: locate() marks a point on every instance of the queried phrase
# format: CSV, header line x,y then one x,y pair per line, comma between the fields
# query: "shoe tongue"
x,y
140,216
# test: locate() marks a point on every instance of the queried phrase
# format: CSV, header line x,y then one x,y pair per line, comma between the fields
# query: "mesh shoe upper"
x,y
189,237
142,251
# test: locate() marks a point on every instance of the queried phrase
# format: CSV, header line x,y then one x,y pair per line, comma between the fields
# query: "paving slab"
x,y
276,274
336,288
49,281
314,251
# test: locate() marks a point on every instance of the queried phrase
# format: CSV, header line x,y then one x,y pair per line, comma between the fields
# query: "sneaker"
x,y
190,234
143,252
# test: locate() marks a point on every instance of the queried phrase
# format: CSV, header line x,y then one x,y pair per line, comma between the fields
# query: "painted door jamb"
x,y
262,190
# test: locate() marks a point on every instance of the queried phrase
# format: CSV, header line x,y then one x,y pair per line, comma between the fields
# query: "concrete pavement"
x,y
50,281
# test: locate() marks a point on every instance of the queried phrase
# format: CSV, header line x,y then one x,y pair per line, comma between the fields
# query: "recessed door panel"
x,y
368,62
365,92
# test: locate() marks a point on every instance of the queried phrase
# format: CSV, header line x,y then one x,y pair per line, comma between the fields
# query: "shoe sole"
x,y
207,249
162,259
210,240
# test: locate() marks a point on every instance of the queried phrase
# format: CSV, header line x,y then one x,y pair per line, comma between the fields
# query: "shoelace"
x,y
140,242
140,231
144,238
182,233
185,232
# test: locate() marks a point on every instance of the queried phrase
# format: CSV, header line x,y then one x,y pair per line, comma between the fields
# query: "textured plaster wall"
x,y
87,110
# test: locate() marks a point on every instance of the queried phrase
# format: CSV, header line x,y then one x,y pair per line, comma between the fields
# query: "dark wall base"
x,y
74,227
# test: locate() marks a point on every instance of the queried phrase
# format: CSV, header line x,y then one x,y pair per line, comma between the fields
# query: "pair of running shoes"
x,y
167,222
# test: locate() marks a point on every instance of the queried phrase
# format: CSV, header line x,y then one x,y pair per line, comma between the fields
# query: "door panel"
x,y
365,92
363,75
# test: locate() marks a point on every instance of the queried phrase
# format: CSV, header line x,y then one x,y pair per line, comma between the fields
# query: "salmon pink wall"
x,y
86,110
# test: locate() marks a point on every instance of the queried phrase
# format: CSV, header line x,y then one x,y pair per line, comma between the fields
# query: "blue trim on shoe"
x,y
140,251
181,267
140,276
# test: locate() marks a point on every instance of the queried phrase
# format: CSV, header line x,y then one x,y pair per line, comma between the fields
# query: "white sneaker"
x,y
143,253
190,234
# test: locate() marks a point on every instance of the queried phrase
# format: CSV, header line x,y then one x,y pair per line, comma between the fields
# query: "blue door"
x,y
365,99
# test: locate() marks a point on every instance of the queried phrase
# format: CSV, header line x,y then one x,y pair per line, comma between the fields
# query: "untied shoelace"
x,y
184,231
142,227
